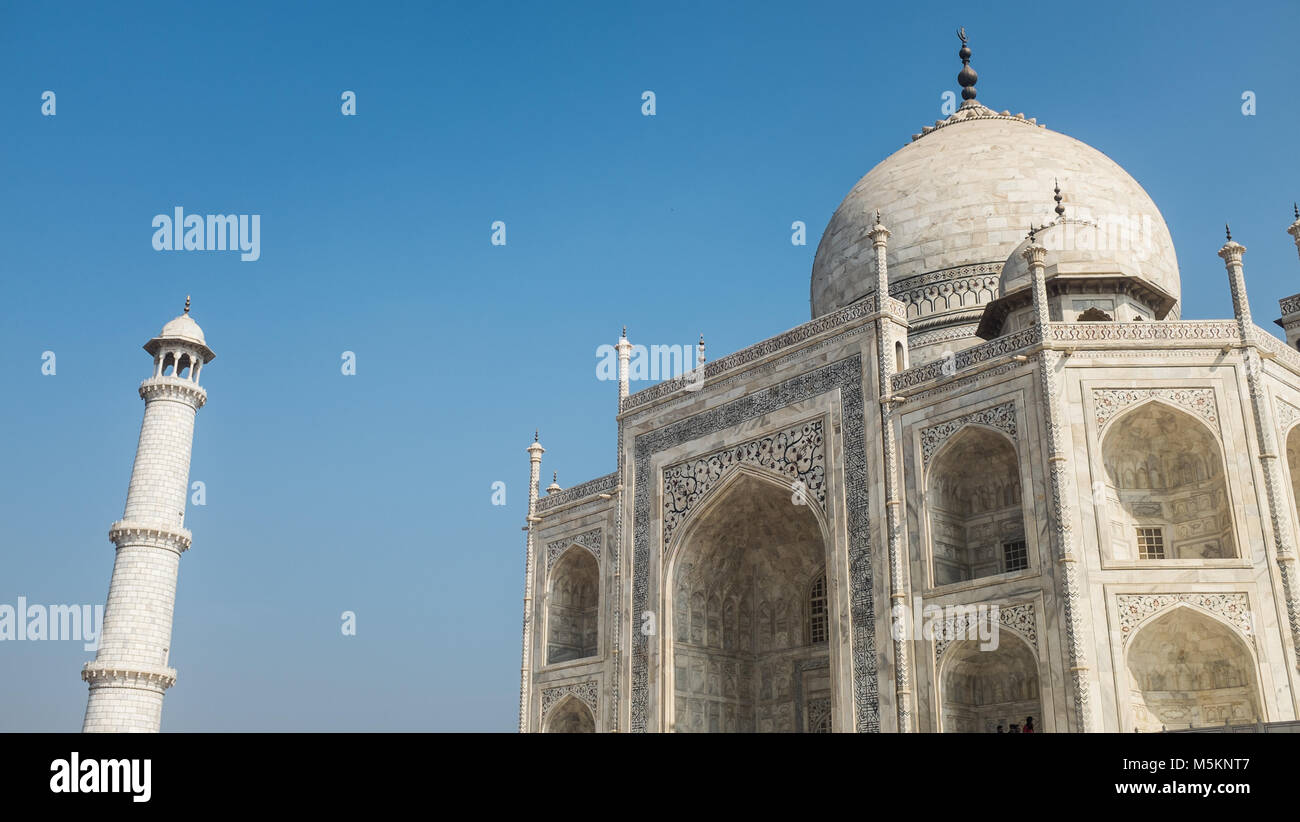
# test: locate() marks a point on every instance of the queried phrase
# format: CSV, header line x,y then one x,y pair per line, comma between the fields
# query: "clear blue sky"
x,y
372,493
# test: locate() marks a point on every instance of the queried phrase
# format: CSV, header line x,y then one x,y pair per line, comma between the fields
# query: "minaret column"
x,y
1035,254
535,452
1275,477
624,349
893,503
1231,254
130,672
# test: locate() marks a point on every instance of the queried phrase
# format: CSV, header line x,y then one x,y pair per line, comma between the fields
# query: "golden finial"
x,y
187,303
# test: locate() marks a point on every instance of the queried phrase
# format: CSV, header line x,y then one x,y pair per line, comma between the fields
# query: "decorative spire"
x,y
880,242
1296,208
625,332
187,303
1060,209
967,76
535,434
1228,229
1032,232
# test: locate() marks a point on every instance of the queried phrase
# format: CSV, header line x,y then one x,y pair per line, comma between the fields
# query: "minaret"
x,y
624,349
1270,450
535,452
1231,254
129,673
1062,500
1036,255
885,366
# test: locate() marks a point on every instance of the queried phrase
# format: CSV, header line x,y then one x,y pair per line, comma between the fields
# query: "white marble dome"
x,y
964,193
1074,246
183,328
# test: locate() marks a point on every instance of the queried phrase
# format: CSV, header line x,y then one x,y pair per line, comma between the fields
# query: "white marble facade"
x,y
1121,483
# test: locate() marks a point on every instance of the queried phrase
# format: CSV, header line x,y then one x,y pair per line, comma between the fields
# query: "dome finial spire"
x,y
1060,209
187,303
967,76
1228,230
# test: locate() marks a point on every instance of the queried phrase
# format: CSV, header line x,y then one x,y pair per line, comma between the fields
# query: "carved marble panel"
x,y
1135,609
587,691
1016,618
1107,403
1001,417
797,453
1287,415
587,539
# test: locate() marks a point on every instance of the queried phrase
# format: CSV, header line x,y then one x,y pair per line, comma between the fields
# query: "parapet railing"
x,y
1155,334
745,356
590,488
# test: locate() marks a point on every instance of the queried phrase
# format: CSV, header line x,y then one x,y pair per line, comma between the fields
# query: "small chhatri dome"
x,y
555,483
182,329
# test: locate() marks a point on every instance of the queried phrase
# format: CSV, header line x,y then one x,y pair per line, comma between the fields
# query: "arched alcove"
x,y
1293,462
977,525
1188,669
570,716
981,689
742,657
573,606
1166,487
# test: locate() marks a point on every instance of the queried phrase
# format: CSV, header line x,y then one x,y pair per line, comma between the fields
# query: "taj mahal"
x,y
996,476
995,415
